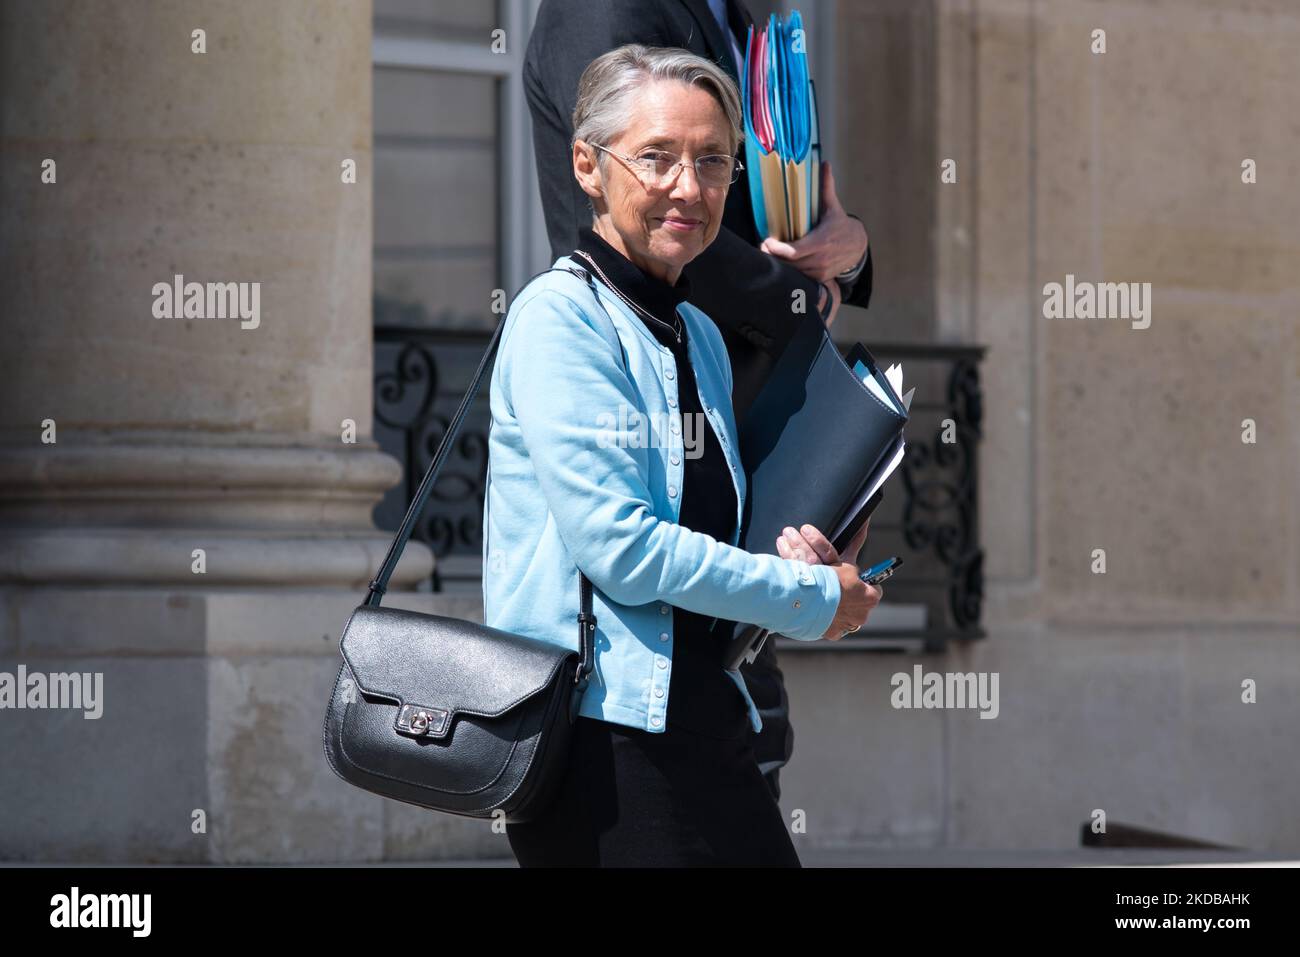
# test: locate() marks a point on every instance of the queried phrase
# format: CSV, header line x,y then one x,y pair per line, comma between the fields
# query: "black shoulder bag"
x,y
449,714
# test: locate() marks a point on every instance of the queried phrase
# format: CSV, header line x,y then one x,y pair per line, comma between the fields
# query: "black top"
x,y
701,696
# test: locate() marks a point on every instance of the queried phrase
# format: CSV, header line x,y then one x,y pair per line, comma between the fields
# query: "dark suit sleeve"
x,y
860,293
566,37
749,293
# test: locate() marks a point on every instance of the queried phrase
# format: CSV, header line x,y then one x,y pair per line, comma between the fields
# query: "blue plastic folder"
x,y
782,139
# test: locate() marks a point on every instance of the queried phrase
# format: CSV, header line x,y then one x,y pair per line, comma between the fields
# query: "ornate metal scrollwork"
x,y
939,480
413,407
415,366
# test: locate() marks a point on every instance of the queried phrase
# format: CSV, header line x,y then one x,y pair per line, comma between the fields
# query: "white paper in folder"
x,y
894,374
872,486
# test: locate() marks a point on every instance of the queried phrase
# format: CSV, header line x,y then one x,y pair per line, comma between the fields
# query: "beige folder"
x,y
773,197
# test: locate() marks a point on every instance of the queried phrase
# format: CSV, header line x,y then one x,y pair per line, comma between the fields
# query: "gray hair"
x,y
610,83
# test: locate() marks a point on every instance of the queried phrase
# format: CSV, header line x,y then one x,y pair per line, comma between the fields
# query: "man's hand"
x,y
838,241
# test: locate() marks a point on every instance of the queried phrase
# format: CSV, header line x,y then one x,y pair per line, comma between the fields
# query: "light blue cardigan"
x,y
572,485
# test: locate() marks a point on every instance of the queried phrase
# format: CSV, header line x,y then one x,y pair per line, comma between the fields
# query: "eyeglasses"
x,y
659,168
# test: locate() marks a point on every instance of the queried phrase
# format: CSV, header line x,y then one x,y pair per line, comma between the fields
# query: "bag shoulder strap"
x,y
379,585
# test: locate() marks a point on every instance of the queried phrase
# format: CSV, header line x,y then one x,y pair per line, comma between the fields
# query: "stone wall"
x,y
1120,691
200,525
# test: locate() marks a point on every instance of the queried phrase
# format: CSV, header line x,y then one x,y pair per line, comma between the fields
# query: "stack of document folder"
x,y
817,445
782,143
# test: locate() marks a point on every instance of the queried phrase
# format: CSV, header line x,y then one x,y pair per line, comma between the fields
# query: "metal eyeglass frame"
x,y
677,167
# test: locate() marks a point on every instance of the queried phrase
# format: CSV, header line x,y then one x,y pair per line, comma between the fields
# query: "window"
x,y
456,208
456,217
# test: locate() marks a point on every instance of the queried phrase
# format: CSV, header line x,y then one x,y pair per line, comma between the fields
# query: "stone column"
x,y
210,141
222,166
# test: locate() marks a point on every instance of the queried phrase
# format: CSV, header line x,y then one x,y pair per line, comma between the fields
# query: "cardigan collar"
x,y
649,292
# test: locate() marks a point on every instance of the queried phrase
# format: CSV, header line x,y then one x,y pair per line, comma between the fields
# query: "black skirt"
x,y
632,798
692,796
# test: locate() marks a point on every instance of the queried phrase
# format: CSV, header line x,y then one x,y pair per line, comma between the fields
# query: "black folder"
x,y
812,444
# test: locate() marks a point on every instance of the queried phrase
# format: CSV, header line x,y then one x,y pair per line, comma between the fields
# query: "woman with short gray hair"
x,y
609,88
576,483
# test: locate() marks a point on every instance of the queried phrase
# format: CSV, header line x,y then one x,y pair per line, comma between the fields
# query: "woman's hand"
x,y
857,598
838,241
810,545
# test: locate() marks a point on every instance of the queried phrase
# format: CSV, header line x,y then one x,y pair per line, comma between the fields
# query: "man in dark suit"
x,y
743,281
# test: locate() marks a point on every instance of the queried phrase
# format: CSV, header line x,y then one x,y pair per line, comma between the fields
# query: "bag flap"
x,y
435,667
